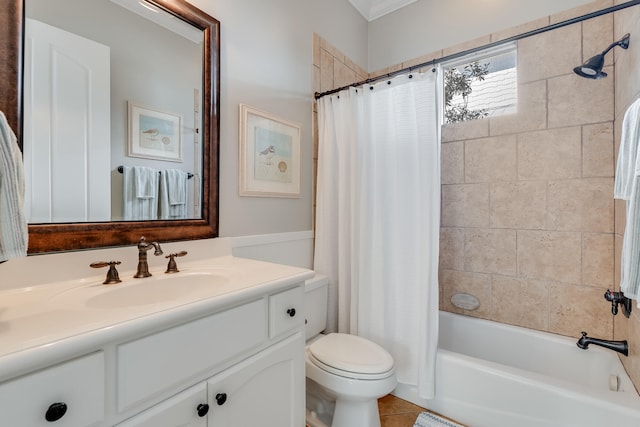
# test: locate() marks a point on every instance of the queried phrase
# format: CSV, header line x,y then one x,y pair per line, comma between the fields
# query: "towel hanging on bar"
x,y
121,169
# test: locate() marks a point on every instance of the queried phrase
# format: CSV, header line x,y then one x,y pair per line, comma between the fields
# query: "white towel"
x,y
14,232
139,193
173,194
627,187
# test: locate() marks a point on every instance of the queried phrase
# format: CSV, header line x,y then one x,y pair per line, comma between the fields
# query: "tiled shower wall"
x,y
527,208
527,221
627,90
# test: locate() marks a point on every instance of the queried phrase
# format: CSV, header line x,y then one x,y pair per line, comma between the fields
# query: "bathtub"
x,y
489,374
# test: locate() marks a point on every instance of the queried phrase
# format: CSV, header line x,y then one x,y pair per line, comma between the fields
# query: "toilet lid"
x,y
351,353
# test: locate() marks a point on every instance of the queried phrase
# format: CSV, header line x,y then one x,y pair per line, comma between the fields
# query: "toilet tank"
x,y
316,291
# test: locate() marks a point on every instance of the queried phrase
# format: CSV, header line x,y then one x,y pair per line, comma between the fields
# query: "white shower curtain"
x,y
378,217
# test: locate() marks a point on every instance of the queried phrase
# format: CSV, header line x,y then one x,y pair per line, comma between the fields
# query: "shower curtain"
x,y
378,217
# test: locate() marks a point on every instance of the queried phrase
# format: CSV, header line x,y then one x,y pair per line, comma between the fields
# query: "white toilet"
x,y
346,374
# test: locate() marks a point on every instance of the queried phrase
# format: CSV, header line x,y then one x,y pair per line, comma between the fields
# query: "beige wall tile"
x,y
581,204
490,159
531,115
597,150
542,56
627,78
617,247
576,308
580,10
342,75
520,29
423,59
597,34
360,72
452,169
620,207
550,154
617,131
597,262
550,255
460,47
326,71
316,83
452,248
520,302
574,100
476,284
518,204
490,251
625,20
387,70
465,205
627,90
331,49
465,130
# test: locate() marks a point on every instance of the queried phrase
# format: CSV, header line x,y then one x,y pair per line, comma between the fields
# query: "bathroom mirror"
x,y
75,235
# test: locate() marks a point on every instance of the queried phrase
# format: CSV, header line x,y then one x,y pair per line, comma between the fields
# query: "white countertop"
x,y
59,320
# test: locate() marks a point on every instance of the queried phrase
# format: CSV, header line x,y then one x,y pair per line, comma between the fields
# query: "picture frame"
x,y
154,134
269,155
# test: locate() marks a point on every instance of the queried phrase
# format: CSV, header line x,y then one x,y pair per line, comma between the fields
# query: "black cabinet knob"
x,y
291,312
56,411
221,398
203,409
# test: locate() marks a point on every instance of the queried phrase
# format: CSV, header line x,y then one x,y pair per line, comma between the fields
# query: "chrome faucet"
x,y
619,346
143,247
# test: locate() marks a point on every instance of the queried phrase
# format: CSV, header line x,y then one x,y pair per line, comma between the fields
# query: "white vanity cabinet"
x,y
265,390
236,362
70,394
187,409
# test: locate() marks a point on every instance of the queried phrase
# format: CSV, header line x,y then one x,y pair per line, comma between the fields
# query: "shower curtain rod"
x,y
446,58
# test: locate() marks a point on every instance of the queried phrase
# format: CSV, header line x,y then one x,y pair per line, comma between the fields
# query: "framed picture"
x,y
269,155
154,134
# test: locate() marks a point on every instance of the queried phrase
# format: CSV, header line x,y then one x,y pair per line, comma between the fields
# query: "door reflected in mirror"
x,y
113,98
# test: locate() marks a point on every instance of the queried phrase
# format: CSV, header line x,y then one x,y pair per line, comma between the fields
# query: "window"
x,y
482,84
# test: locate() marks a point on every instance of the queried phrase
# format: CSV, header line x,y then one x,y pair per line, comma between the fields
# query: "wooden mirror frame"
x,y
74,236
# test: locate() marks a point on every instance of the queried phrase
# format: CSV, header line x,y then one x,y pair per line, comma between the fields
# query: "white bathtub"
x,y
495,375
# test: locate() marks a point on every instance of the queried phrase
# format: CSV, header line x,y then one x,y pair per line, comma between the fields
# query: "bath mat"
x,y
427,419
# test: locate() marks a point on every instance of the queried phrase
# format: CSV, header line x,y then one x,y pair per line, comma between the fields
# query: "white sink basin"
x,y
156,289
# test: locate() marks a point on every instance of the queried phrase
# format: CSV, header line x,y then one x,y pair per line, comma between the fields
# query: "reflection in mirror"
x,y
195,114
131,100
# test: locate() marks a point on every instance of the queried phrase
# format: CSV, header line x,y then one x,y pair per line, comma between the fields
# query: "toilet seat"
x,y
351,356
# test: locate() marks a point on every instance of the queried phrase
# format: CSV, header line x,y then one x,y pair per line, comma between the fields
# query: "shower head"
x,y
592,68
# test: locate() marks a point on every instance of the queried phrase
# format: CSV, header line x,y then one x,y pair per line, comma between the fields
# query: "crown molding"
x,y
374,9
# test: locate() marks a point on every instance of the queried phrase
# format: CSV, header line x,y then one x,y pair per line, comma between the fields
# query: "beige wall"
x,y
529,224
627,78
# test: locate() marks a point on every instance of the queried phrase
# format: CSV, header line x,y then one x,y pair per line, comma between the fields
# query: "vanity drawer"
x,y
285,311
159,362
72,391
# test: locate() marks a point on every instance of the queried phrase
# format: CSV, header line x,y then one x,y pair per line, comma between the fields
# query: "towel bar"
x,y
121,170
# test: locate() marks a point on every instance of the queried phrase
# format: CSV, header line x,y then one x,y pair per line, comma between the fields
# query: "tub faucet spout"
x,y
620,346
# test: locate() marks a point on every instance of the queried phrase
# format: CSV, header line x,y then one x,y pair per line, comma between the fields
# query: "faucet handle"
x,y
112,273
172,267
